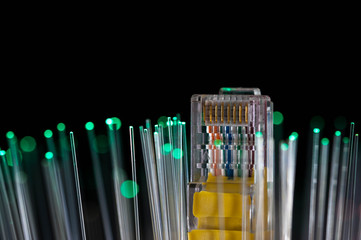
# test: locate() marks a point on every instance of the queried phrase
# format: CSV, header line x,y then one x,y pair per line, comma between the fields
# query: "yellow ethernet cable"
x,y
230,193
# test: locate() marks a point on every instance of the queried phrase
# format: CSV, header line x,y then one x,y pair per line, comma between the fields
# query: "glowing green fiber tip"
x,y
293,136
2,153
169,122
89,126
259,134
167,148
61,127
324,141
226,89
284,146
338,133
129,189
316,130
177,153
49,155
10,134
217,142
48,133
277,118
345,140
113,122
27,144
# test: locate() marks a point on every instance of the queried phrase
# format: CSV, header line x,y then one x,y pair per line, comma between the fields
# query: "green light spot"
x,y
177,153
340,123
284,146
338,133
10,134
293,136
2,153
113,122
89,126
147,124
217,142
129,189
162,121
316,130
49,155
48,133
346,140
317,122
61,127
167,148
226,89
259,134
324,141
108,121
277,118
27,144
169,122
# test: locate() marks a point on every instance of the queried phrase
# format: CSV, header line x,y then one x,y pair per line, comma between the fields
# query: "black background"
x,y
75,80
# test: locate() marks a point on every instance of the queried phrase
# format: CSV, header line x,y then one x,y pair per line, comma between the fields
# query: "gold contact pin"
x,y
228,113
216,113
234,113
246,113
210,112
222,113
240,113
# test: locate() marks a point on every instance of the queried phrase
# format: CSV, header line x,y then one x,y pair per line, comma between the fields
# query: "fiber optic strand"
x,y
134,178
56,207
24,204
341,189
10,224
314,181
69,180
348,229
97,168
77,184
164,154
333,182
33,169
124,218
287,165
57,199
160,231
332,212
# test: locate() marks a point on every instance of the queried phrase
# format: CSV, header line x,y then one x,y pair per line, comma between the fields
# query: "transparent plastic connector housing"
x,y
231,186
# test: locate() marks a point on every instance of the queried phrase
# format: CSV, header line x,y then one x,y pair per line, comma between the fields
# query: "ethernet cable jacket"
x,y
231,194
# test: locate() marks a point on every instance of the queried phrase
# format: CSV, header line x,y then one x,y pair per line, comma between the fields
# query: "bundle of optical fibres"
x,y
233,175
